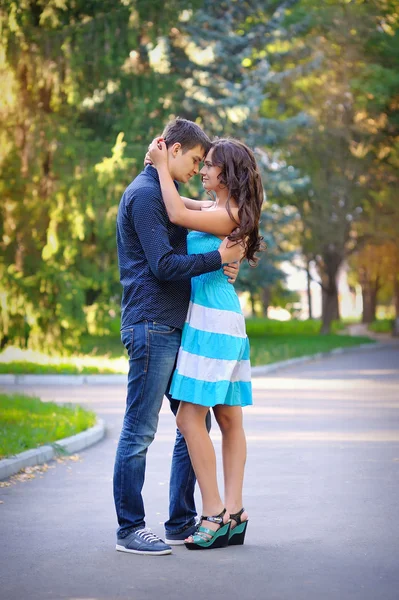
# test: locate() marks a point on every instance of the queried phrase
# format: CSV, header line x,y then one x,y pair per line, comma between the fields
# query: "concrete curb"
x,y
38,456
62,379
8,379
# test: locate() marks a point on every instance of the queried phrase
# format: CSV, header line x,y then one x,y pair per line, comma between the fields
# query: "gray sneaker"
x,y
143,541
177,539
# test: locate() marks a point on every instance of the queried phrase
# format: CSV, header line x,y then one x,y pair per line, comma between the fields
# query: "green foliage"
x,y
27,422
102,345
82,101
382,326
349,151
86,85
230,61
276,223
231,54
283,297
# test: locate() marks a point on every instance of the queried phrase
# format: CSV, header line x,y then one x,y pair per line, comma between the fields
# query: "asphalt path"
x,y
321,489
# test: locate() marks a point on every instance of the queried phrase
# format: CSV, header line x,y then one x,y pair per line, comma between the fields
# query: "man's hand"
x,y
231,271
207,204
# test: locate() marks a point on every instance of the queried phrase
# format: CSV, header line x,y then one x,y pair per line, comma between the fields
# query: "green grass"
x,y
270,341
16,361
27,422
269,349
26,367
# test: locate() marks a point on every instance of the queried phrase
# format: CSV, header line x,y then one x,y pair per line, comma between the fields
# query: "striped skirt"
x,y
213,365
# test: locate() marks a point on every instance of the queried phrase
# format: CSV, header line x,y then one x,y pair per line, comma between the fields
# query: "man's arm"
x,y
197,204
150,221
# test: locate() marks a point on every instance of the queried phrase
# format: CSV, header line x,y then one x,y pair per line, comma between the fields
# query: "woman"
x,y
213,368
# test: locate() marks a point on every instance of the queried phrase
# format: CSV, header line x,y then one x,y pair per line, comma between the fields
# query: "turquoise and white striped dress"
x,y
213,364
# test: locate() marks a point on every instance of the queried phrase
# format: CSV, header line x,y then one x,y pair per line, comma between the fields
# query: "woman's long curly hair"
x,y
241,176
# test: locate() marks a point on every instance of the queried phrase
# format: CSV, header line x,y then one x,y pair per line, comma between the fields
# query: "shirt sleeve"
x,y
150,221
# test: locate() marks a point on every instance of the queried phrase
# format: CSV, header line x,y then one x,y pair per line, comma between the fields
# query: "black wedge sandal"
x,y
237,533
204,538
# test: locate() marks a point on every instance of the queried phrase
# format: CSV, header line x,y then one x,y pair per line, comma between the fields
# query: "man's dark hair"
x,y
186,133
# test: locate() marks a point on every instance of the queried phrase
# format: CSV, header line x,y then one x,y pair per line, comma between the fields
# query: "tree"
x,y
339,152
261,280
76,76
377,88
227,55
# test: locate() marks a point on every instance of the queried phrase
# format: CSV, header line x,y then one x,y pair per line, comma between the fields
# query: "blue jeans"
x,y
152,350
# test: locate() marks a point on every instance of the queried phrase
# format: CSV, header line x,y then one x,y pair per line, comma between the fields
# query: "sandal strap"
x,y
217,519
237,516
204,534
206,531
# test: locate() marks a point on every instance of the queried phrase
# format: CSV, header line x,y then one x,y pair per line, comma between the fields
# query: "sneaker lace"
x,y
148,535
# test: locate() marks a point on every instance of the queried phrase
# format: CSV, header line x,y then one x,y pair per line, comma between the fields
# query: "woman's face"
x,y
210,173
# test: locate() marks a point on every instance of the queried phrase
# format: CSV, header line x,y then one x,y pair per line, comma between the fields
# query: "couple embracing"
x,y
184,332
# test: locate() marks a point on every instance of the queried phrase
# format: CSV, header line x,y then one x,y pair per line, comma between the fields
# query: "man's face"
x,y
183,166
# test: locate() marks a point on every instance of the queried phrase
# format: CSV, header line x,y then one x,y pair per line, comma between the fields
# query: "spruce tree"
x,y
229,56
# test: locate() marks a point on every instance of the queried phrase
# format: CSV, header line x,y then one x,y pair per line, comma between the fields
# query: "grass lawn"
x,y
269,343
27,422
99,360
63,367
382,326
273,348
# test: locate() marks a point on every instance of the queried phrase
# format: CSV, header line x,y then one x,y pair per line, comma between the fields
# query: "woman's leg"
x,y
234,449
191,422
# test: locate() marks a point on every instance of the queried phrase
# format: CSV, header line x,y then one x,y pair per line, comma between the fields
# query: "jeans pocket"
x,y
154,327
127,339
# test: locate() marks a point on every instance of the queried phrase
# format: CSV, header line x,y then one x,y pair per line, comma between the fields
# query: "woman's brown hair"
x,y
241,176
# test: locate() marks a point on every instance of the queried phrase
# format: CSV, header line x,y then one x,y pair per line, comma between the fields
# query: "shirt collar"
x,y
150,170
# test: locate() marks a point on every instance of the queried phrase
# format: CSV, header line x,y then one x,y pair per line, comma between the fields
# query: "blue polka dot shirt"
x,y
155,270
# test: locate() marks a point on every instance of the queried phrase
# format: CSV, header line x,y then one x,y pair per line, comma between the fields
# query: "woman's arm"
x,y
188,202
216,222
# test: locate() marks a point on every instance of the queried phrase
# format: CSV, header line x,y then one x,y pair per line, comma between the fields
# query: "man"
x,y
155,273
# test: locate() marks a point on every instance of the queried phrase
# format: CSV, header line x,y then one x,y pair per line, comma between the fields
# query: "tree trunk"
x,y
308,290
370,291
4,341
252,301
330,310
330,306
369,304
265,300
395,331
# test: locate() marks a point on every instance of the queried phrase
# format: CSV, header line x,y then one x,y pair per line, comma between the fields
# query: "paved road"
x,y
322,490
